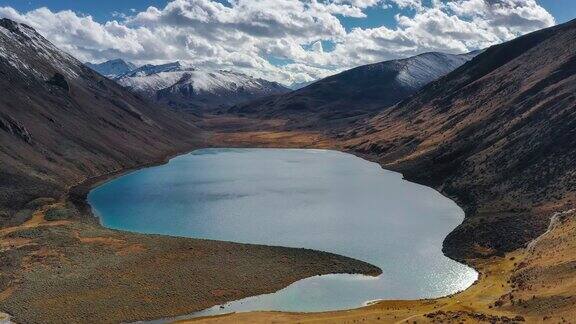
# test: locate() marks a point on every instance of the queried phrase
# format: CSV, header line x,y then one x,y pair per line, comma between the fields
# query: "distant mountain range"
x,y
358,91
350,93
112,68
188,88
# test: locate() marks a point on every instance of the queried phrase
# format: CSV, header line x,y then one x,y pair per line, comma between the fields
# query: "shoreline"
x,y
488,299
271,267
78,195
98,181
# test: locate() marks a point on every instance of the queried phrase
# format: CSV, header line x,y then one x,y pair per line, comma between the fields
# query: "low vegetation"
x,y
60,268
533,285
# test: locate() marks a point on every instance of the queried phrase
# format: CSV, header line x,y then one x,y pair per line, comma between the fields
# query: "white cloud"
x,y
243,34
412,4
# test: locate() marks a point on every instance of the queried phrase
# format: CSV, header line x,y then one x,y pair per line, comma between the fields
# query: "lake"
x,y
319,199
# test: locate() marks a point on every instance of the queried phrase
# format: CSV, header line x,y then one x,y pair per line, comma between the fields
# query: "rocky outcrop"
x,y
13,127
60,81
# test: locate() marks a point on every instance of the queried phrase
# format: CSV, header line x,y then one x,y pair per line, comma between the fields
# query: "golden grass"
x,y
36,220
532,285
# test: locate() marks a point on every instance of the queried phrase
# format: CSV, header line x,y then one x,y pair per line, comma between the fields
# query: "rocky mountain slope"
x,y
498,134
367,88
112,68
190,89
61,122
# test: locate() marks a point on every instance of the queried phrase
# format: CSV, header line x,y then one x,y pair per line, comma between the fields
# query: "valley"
x,y
77,130
265,196
494,133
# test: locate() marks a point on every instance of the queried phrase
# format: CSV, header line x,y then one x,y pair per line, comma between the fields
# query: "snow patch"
x,y
30,53
420,70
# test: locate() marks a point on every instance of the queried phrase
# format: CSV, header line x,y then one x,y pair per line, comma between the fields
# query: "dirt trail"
x,y
37,219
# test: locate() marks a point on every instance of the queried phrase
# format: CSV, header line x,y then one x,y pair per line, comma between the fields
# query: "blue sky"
x,y
283,40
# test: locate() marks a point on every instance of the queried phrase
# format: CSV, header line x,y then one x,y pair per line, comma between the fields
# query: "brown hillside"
x,y
351,95
498,134
60,122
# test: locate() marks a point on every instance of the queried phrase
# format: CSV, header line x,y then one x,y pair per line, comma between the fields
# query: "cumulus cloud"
x,y
244,35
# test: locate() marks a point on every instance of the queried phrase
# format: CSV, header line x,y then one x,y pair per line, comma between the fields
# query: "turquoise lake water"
x,y
318,199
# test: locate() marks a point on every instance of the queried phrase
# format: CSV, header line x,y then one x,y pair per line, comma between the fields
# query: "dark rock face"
x,y
11,25
13,127
60,81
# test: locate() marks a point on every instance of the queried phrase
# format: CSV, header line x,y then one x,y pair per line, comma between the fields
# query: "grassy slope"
x,y
533,285
60,270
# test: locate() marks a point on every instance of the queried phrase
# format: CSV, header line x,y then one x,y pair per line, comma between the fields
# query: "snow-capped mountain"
x,y
188,88
361,90
112,68
150,69
300,85
19,43
417,71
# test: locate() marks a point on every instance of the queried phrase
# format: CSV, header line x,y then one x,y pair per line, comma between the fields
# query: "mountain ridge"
x,y
348,95
112,68
191,89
